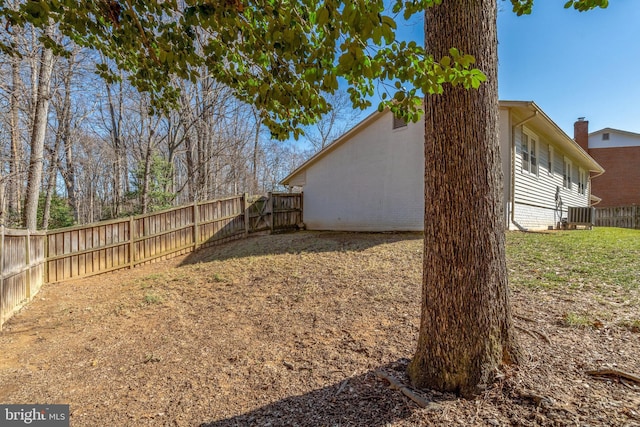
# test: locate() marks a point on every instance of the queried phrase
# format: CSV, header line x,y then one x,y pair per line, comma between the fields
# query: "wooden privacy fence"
x,y
22,259
621,216
28,260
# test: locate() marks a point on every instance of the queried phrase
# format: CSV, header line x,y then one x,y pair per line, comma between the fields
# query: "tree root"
x,y
615,373
537,399
542,334
394,384
342,386
528,319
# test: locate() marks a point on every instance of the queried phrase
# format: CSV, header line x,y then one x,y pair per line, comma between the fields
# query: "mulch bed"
x,y
290,330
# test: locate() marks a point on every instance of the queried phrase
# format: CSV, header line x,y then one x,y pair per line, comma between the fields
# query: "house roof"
x,y
612,130
552,132
522,108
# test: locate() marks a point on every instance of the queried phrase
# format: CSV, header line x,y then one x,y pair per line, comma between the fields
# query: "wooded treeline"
x,y
76,148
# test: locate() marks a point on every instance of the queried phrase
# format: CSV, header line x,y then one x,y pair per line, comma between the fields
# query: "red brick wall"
x,y
620,184
581,133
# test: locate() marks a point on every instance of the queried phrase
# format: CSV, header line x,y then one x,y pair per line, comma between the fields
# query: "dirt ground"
x,y
289,330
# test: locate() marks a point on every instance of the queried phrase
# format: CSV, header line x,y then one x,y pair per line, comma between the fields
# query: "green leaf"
x,y
388,21
322,17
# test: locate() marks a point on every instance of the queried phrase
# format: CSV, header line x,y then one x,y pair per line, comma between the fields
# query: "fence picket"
x,y
619,216
28,260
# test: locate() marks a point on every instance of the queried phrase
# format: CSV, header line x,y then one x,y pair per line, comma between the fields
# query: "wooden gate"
x,y
259,213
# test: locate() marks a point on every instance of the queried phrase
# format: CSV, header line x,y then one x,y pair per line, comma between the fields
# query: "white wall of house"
x,y
610,138
367,183
372,179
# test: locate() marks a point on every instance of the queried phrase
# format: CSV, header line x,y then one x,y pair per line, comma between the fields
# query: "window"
x,y
582,181
550,159
524,146
529,147
605,136
566,175
398,123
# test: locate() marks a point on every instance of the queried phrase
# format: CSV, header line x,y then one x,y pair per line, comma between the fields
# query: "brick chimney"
x,y
581,133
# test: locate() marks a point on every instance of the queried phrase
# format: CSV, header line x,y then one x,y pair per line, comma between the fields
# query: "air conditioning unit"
x,y
581,216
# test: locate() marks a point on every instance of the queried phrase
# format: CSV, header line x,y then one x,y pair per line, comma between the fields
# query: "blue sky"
x,y
571,64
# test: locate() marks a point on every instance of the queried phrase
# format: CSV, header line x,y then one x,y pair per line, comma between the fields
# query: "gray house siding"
x,y
535,193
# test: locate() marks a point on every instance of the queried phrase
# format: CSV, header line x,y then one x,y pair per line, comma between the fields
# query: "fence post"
x,y
46,256
132,258
2,250
27,262
245,209
270,210
302,207
196,219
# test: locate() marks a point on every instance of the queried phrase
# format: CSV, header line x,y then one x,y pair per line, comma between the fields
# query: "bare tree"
x,y
116,115
336,122
17,153
38,134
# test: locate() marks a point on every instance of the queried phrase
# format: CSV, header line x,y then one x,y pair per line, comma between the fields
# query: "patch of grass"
x,y
151,280
152,298
576,320
603,259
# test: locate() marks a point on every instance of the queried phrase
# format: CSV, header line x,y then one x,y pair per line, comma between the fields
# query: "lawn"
x,y
290,329
602,265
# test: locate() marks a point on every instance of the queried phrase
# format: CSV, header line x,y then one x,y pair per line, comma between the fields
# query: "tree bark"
x,y
15,165
256,146
466,330
119,175
51,183
64,134
38,134
144,193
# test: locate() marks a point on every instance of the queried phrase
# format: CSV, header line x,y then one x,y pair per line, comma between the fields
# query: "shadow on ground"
x,y
363,400
296,243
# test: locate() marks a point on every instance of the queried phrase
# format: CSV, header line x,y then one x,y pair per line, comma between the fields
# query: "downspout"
x,y
590,178
513,169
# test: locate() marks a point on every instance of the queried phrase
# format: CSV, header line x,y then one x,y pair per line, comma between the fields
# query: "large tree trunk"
x,y
15,165
64,134
51,183
144,193
256,145
116,115
38,134
465,328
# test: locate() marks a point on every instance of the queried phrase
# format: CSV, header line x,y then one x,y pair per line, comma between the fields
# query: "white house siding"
x,y
372,179
534,195
616,139
505,157
373,185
